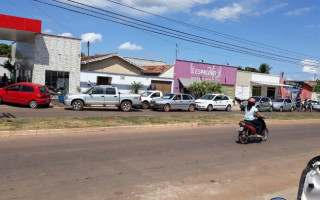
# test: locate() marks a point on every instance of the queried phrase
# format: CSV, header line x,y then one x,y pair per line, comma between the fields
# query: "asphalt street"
x,y
166,163
16,111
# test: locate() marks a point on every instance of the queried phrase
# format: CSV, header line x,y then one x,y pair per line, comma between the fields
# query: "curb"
x,y
180,125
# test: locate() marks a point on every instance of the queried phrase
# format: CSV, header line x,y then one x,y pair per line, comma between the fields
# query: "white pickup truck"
x,y
105,95
147,96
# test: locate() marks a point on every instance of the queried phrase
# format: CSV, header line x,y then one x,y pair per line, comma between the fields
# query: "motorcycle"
x,y
247,131
57,91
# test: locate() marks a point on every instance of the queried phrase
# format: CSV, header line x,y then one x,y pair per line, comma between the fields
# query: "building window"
x,y
256,91
57,79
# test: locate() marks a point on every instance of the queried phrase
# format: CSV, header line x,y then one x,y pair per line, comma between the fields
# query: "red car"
x,y
31,94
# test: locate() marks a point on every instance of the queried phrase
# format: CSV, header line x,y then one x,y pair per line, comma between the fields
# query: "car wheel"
x,y
0,100
33,104
292,109
166,108
77,105
242,109
210,108
191,108
228,108
270,109
280,109
126,106
145,105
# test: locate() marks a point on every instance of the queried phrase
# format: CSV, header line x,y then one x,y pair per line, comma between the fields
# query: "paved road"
x,y
167,164
14,111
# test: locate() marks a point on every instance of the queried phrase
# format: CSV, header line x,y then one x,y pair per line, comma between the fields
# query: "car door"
x,y
187,100
177,102
11,94
95,96
289,104
25,94
111,96
224,102
265,104
217,102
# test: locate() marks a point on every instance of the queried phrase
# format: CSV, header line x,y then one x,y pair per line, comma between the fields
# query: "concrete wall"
x,y
243,85
57,53
168,73
122,81
112,65
2,69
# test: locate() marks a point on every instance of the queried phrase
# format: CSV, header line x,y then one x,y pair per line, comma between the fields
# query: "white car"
x,y
211,102
149,95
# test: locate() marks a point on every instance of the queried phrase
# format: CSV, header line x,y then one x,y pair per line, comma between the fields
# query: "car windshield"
x,y
278,100
208,97
257,98
168,96
145,94
87,90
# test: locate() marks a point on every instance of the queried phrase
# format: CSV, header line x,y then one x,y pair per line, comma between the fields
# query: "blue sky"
x,y
239,33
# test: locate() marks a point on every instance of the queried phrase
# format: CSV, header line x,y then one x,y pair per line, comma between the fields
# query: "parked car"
x,y
262,103
102,95
211,102
147,96
316,106
284,104
171,101
23,93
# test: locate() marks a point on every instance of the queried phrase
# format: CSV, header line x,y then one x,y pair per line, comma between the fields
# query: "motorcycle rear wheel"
x,y
242,138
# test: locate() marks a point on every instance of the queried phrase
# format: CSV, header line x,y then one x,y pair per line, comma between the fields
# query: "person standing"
x,y
5,79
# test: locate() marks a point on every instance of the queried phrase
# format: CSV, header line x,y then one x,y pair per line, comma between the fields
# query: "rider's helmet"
x,y
252,100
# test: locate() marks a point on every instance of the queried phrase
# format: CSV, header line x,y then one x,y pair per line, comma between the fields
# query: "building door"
x,y
271,91
163,86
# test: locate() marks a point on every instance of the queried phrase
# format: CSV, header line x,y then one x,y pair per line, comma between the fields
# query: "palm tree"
x,y
265,68
135,86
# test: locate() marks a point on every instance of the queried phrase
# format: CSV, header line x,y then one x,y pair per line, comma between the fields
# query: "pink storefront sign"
x,y
226,75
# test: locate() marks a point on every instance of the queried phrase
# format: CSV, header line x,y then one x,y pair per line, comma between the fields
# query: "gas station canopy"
x,y
18,28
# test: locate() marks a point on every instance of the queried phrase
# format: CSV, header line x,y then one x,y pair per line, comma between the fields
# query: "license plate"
x,y
240,128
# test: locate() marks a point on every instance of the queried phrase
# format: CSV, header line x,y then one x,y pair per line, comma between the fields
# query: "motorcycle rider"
x,y
250,113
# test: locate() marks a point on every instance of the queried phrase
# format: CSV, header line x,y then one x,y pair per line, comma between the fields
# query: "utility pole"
x,y
176,51
88,45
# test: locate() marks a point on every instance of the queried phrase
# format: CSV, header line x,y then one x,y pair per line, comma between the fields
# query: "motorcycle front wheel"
x,y
265,135
242,138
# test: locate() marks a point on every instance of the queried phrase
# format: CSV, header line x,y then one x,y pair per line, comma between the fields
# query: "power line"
x,y
189,37
215,32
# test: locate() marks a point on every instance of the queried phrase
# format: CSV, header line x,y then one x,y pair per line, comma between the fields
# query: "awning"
x,y
187,81
270,84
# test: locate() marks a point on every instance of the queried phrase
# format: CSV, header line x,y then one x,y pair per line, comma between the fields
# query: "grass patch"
x,y
14,124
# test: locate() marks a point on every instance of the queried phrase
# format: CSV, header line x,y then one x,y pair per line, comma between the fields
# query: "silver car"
x,y
283,104
171,101
316,106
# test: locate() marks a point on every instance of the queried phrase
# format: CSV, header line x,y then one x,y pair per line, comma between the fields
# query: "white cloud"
x,y
314,26
299,11
66,34
225,13
48,31
274,8
310,66
91,37
129,46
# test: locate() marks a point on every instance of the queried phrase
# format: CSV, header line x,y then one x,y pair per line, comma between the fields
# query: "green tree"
x,y
136,86
5,49
251,69
83,54
316,88
265,68
204,87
